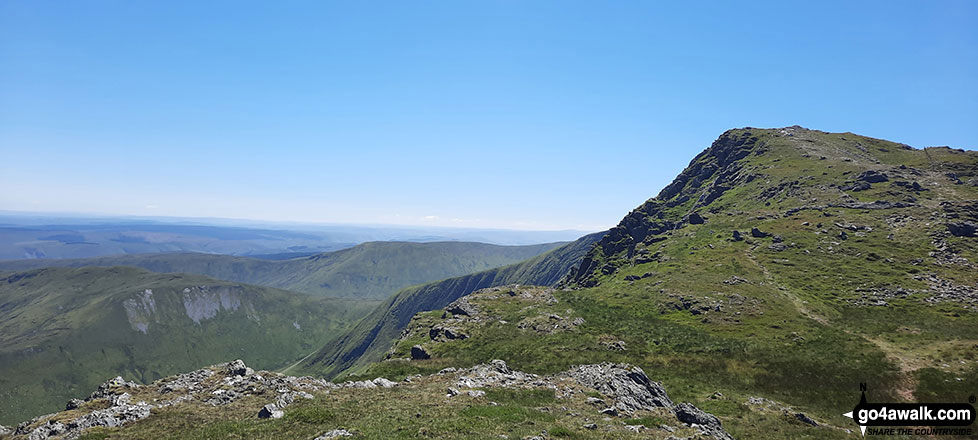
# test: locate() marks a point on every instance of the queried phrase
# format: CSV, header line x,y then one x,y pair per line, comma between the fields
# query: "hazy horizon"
x,y
523,116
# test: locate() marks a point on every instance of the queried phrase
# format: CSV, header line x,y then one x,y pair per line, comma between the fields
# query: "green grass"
x,y
799,329
65,331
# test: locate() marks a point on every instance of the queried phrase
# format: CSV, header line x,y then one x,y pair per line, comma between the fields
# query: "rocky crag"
x,y
601,398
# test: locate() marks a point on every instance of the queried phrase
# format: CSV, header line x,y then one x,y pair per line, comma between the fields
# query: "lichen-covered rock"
x,y
463,307
496,373
708,423
629,386
238,368
336,433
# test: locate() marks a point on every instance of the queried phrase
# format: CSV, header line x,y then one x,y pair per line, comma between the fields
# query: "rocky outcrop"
x,y
113,405
629,386
963,229
496,374
708,423
334,434
419,353
462,307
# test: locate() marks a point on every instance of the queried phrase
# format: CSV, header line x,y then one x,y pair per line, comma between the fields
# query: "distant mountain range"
x,y
39,236
778,274
370,271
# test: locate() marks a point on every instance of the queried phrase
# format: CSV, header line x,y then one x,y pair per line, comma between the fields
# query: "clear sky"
x,y
510,114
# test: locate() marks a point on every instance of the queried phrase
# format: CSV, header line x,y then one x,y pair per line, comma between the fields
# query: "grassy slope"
x,y
370,339
796,327
704,313
368,271
63,331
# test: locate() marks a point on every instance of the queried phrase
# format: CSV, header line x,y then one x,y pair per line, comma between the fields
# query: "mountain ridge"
x,y
372,270
780,270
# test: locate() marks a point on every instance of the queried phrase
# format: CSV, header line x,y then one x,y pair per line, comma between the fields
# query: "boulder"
x,y
336,433
756,233
872,176
696,219
270,411
443,333
963,229
687,413
707,423
463,307
805,419
737,236
73,404
418,352
630,387
383,383
238,368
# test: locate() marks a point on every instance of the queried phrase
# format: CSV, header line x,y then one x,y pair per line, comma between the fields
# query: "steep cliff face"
x,y
710,174
779,172
62,330
371,337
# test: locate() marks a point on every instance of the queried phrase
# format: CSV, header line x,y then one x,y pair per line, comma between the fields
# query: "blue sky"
x,y
507,114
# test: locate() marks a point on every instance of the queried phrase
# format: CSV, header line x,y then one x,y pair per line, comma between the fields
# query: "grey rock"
x,y
49,429
74,404
687,413
737,236
872,176
109,387
756,233
963,229
630,387
238,368
708,423
496,373
590,426
443,333
418,353
270,411
336,433
5,430
805,419
462,306
382,382
696,219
